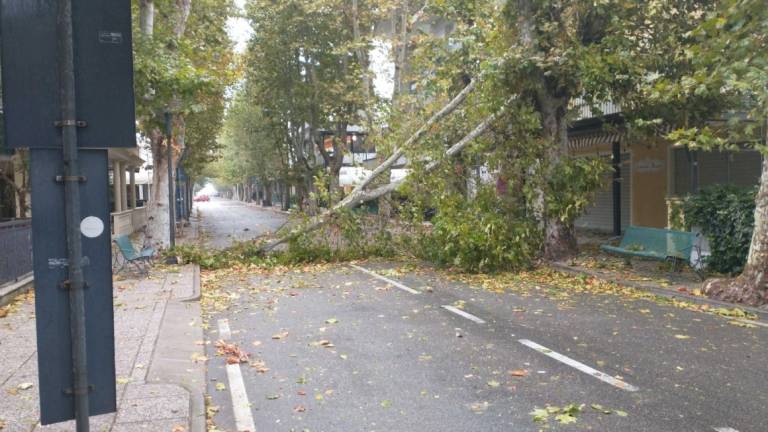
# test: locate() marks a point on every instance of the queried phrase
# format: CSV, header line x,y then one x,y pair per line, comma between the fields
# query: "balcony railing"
x,y
15,250
129,221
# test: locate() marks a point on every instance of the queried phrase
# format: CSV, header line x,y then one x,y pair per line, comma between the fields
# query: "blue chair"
x,y
141,261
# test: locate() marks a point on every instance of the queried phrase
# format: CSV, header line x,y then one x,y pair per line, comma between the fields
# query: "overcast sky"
x,y
240,31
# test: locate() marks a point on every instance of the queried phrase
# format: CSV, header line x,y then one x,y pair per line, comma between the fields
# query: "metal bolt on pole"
x,y
76,281
171,194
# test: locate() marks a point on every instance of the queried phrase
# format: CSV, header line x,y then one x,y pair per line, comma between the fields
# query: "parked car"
x,y
202,198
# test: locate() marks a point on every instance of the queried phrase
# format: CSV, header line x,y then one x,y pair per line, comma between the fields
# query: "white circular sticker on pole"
x,y
92,227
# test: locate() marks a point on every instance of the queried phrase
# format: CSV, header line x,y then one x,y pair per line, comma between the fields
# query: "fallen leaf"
x,y
479,407
493,383
323,343
742,324
621,413
233,352
519,373
332,321
256,343
679,336
279,336
25,386
179,428
220,387
386,403
273,397
565,418
299,408
540,415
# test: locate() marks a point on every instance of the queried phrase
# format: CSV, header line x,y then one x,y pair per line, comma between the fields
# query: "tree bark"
x,y
157,210
751,287
147,17
559,235
268,193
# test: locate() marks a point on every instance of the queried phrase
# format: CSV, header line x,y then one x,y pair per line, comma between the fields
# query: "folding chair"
x,y
141,261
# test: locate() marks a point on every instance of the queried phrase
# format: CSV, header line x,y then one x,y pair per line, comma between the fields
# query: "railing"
x,y
129,221
15,250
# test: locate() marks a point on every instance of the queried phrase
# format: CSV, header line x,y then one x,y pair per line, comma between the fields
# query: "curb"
x,y
175,347
196,290
564,268
272,209
9,292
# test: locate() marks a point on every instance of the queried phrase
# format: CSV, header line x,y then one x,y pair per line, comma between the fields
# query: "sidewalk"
x,y
160,368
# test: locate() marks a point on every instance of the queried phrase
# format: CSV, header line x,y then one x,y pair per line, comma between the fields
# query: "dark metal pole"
x,y
617,188
72,179
171,188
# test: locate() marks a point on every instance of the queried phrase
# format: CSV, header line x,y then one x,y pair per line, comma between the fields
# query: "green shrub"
x,y
481,235
726,215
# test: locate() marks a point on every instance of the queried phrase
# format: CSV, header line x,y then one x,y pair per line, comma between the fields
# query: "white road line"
x,y
224,331
725,429
463,314
389,281
240,403
579,366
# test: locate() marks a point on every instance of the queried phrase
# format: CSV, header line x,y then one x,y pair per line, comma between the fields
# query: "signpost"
x,y
68,86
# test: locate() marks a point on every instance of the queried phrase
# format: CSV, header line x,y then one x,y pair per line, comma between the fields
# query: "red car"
x,y
202,198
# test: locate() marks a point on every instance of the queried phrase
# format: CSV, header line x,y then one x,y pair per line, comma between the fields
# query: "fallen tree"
x,y
360,196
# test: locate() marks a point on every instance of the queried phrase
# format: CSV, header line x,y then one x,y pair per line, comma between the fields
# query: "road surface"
x,y
385,346
227,221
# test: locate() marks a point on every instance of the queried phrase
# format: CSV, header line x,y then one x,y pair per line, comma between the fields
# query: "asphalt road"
x,y
226,221
343,350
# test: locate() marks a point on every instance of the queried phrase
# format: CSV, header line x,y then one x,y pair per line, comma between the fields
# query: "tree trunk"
x,y
751,287
286,196
559,235
147,17
158,226
268,193
334,189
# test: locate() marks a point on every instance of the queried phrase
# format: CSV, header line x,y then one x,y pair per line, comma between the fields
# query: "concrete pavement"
x,y
160,373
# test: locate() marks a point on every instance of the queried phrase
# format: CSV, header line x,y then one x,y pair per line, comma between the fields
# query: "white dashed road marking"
x,y
240,404
463,314
579,366
725,429
382,278
224,332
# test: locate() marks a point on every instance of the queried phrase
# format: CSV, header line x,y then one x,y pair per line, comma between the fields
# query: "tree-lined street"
x,y
384,215
226,222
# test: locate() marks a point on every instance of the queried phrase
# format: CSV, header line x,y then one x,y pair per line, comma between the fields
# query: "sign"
x,y
103,73
54,341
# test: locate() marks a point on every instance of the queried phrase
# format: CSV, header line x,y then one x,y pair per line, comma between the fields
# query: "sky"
x,y
240,31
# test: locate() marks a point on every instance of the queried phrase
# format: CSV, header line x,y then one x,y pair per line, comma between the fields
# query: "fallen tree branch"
x,y
400,151
362,196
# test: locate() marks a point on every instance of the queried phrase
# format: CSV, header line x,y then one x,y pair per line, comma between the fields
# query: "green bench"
x,y
655,243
